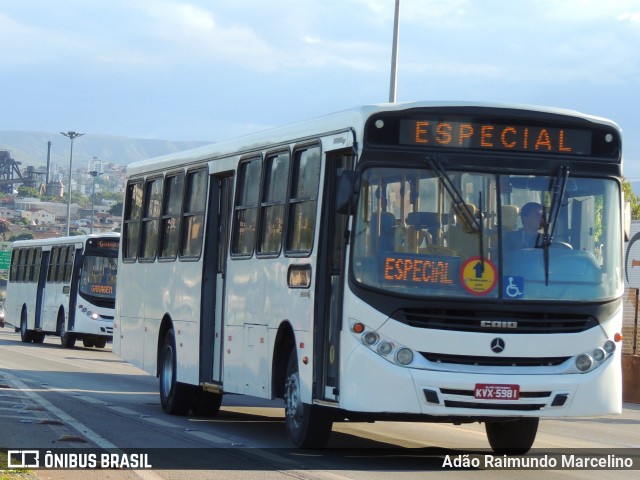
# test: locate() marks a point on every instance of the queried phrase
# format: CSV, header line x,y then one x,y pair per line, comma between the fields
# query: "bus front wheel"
x,y
176,398
67,339
513,437
26,335
308,426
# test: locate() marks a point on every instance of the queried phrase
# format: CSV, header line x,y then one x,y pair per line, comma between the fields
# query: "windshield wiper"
x,y
557,187
469,221
481,229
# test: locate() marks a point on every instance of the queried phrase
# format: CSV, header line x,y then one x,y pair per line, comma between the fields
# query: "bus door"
x,y
42,264
330,281
213,281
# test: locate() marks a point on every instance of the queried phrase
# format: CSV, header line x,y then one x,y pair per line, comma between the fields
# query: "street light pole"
x,y
72,136
394,55
94,174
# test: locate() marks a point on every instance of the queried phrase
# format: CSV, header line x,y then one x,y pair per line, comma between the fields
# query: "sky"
x,y
210,70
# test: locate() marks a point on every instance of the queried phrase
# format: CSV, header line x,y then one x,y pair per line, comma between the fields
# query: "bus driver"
x,y
532,224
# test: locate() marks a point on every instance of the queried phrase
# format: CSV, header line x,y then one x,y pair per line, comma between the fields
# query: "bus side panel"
x,y
129,334
52,300
258,298
178,300
241,291
16,291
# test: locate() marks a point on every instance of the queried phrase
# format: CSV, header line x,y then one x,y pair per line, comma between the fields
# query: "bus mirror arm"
x,y
627,221
347,193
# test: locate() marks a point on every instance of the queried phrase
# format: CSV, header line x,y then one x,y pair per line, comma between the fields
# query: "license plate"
x,y
487,391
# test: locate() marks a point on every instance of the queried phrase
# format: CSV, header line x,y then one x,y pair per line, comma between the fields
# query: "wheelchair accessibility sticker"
x,y
513,287
478,276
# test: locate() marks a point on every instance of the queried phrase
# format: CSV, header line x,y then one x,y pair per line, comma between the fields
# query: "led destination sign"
x,y
490,136
415,269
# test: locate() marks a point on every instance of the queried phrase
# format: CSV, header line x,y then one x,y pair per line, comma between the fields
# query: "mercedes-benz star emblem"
x,y
497,345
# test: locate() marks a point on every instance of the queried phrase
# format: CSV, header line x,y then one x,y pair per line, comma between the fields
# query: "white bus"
x,y
64,286
356,266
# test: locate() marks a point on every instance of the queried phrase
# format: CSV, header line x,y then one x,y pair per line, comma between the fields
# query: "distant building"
x,y
55,189
39,216
59,209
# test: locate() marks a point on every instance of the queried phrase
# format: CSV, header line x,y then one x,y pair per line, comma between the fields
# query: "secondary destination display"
x,y
411,269
488,136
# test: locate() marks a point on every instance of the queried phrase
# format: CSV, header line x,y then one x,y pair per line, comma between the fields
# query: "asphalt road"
x,y
88,400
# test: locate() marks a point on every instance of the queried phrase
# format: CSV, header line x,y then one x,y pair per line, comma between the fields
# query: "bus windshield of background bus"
x,y
411,239
98,277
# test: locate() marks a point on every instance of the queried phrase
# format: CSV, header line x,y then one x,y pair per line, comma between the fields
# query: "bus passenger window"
x,y
274,197
303,201
245,216
193,217
151,219
171,211
132,217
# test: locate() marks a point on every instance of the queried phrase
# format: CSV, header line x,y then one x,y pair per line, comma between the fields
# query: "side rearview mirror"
x,y
347,193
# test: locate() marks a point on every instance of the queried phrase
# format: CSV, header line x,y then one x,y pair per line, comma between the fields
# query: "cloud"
x,y
187,33
631,18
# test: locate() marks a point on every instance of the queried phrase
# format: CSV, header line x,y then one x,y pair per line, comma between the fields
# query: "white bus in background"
x,y
64,286
357,267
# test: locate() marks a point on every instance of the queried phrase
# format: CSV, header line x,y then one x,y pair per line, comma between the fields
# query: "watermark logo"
x,y
23,458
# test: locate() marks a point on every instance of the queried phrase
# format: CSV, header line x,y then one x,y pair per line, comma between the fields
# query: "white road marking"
x,y
72,422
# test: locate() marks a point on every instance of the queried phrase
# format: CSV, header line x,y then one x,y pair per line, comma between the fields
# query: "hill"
x,y
30,148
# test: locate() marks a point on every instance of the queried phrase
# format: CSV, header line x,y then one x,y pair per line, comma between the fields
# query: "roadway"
x,y
83,399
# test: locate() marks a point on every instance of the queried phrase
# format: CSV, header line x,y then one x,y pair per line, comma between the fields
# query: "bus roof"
x,y
352,119
63,240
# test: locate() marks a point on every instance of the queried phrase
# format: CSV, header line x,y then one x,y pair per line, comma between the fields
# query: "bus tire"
x,y
308,426
26,335
176,398
101,342
513,437
67,339
206,404
88,342
38,337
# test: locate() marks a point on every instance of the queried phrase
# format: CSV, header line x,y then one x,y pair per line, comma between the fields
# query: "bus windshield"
x,y
98,279
433,233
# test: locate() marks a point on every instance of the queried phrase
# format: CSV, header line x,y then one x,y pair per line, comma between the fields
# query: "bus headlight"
x,y
584,362
609,347
404,356
370,338
590,360
599,354
385,347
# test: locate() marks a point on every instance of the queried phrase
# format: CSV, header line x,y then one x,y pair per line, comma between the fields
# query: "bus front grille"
x,y
494,361
495,322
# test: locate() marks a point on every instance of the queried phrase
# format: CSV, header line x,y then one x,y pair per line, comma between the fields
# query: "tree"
x,y
26,192
22,236
633,199
116,209
5,226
